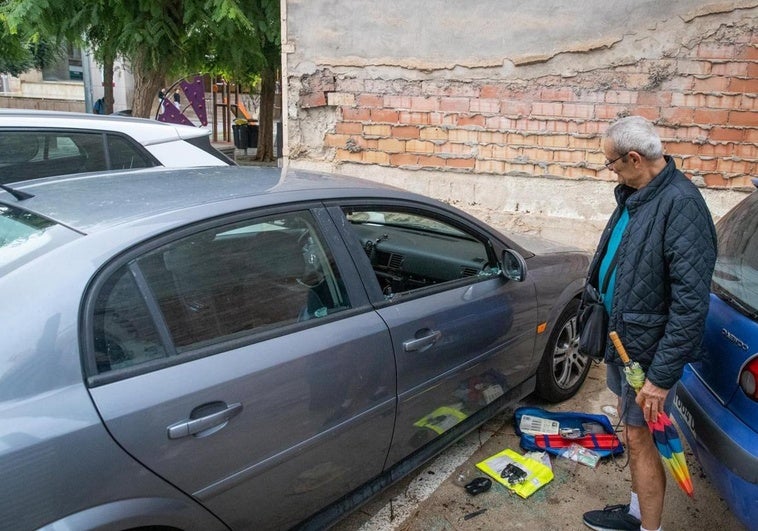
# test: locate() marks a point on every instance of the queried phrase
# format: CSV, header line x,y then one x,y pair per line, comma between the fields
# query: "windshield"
x,y
24,235
735,278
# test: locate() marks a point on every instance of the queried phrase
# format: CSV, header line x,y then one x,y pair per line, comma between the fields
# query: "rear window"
x,y
28,155
735,278
25,235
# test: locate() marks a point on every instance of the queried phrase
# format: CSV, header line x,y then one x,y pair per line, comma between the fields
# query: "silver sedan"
x,y
230,348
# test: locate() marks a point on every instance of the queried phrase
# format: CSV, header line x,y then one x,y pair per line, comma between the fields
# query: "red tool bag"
x,y
564,428
593,441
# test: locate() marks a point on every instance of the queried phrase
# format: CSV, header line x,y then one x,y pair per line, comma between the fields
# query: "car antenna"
x,y
18,194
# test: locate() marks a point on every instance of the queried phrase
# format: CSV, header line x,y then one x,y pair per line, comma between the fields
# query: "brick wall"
x,y
703,100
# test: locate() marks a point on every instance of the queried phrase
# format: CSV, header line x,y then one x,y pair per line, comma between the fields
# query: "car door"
x,y
242,363
463,334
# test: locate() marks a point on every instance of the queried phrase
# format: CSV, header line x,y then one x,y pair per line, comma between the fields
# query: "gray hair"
x,y
635,133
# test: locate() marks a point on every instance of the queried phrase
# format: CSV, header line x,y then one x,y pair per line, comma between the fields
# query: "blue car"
x,y
717,399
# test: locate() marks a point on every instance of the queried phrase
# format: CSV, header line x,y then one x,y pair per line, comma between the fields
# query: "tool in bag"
x,y
593,431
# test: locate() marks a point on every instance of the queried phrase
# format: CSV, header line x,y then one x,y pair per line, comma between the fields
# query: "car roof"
x,y
96,201
143,130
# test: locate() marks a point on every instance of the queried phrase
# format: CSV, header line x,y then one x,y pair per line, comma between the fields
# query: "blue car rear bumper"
x,y
725,447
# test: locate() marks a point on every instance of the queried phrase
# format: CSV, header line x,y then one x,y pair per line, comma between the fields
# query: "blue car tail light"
x,y
749,377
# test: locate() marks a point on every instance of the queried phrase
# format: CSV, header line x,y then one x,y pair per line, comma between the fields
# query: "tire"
x,y
562,370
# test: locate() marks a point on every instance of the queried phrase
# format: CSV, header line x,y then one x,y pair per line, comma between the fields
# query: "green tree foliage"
x,y
21,52
15,54
240,38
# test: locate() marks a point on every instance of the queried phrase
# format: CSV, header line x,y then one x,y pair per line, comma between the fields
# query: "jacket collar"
x,y
632,198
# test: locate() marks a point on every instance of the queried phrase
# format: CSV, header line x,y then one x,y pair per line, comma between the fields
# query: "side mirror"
x,y
513,266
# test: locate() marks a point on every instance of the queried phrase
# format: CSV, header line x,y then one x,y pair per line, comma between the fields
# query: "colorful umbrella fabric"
x,y
664,433
670,447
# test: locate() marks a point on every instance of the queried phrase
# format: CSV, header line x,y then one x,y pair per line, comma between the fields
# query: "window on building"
x,y
67,68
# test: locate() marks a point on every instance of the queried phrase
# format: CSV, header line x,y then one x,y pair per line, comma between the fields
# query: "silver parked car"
x,y
229,348
36,144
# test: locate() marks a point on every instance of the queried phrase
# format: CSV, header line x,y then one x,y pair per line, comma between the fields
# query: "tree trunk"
x,y
108,84
265,151
147,83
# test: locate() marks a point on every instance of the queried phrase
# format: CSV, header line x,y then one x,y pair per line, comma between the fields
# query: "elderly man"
x,y
659,249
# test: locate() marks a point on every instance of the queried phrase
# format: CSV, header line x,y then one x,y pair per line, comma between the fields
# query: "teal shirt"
x,y
613,244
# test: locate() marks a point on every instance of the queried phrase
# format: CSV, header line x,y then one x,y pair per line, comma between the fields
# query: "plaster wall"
x,y
434,37
499,106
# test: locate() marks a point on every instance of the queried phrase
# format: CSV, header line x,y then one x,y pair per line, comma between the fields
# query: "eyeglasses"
x,y
609,164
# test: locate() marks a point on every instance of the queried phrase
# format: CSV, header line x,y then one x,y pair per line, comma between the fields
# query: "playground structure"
x,y
194,102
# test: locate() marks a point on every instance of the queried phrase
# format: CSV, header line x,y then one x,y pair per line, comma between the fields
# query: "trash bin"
x,y
241,136
252,135
279,140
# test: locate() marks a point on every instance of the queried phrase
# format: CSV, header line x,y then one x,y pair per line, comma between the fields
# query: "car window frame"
x,y
142,150
356,293
103,133
492,243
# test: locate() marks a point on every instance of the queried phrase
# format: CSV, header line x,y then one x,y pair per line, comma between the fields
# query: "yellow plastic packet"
x,y
521,474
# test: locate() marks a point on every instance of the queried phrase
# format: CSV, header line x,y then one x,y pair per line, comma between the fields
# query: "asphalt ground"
x,y
433,500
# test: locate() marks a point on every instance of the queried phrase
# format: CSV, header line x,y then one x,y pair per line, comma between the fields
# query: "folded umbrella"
x,y
670,447
664,433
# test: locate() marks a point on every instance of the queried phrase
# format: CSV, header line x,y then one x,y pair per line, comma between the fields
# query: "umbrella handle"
x,y
619,347
634,373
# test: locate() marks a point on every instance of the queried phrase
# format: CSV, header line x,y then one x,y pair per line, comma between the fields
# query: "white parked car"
x,y
36,144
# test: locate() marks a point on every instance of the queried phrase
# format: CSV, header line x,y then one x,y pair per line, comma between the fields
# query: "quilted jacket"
x,y
663,274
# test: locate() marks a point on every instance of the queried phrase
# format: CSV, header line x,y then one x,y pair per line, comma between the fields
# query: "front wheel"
x,y
562,370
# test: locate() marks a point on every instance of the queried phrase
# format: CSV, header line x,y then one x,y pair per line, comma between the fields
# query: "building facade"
x,y
73,83
499,106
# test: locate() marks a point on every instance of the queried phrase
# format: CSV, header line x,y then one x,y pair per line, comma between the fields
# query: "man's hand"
x,y
651,399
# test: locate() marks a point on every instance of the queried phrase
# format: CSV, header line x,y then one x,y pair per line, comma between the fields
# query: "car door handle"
x,y
205,425
422,343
